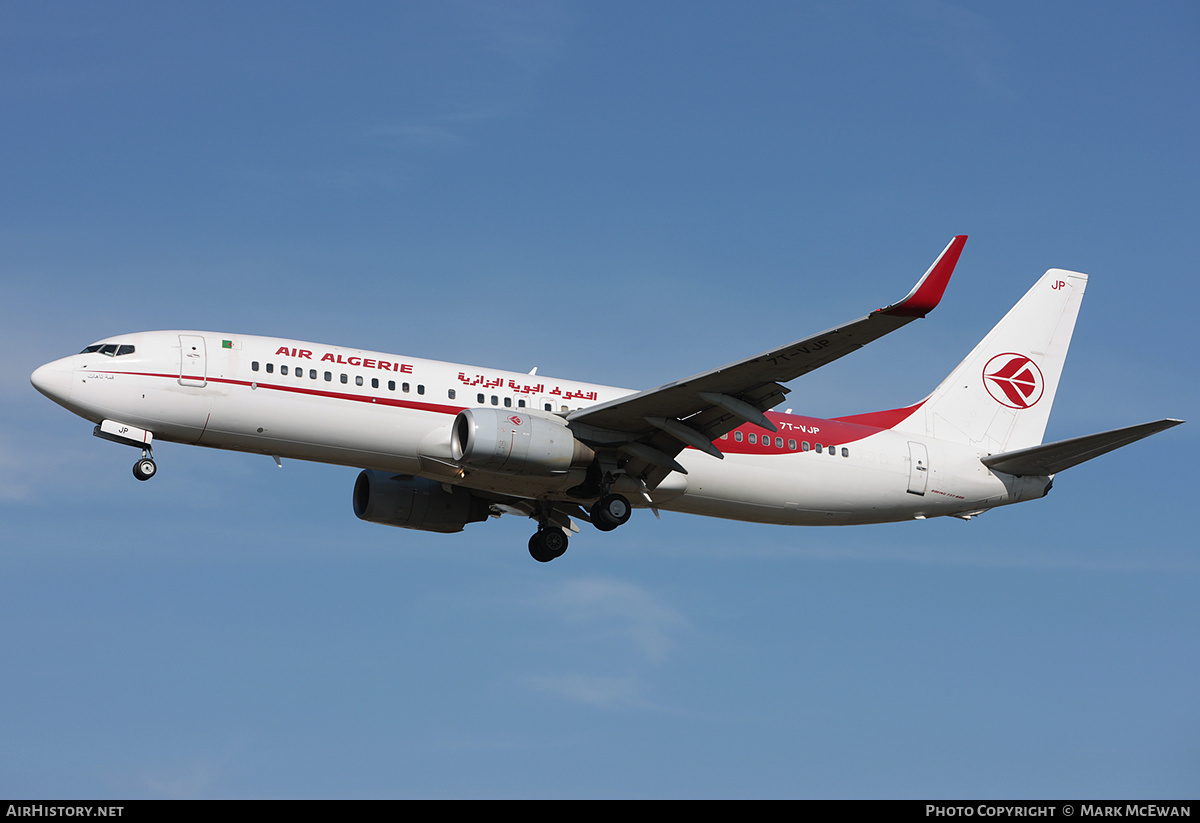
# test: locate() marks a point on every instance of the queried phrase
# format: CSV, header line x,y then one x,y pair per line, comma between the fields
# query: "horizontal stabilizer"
x,y
1051,458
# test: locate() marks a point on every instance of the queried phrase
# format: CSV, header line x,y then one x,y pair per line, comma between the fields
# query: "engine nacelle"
x,y
415,503
516,441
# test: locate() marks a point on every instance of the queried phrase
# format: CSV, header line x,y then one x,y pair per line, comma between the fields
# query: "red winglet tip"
x,y
929,290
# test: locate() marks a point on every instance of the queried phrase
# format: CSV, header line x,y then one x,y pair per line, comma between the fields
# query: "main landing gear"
x,y
547,543
550,540
610,511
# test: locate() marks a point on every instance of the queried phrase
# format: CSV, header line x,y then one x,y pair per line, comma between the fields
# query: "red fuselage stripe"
x,y
835,432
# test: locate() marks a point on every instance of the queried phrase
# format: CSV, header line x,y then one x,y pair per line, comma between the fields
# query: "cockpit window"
x,y
110,349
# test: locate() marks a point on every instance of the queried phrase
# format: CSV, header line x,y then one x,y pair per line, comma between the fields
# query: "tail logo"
x,y
1013,380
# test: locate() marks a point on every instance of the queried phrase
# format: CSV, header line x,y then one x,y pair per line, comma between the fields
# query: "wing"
x,y
649,428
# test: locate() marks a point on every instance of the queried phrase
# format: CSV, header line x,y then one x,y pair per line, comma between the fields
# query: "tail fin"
x,y
999,398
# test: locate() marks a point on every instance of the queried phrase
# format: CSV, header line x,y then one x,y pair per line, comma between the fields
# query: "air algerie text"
x,y
363,362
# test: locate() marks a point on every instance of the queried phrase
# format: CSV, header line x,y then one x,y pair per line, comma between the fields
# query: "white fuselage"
x,y
372,410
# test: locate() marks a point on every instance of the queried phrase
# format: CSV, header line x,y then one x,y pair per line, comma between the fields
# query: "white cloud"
x,y
617,608
197,777
605,692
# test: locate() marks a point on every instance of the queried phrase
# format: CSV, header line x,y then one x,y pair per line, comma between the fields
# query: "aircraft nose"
x,y
54,380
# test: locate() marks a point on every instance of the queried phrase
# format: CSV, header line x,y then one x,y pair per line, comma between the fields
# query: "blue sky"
x,y
624,193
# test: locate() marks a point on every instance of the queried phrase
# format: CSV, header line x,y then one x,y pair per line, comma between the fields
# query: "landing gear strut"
x,y
610,511
547,543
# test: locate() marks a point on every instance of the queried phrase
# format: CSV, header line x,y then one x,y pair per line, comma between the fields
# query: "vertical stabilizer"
x,y
999,398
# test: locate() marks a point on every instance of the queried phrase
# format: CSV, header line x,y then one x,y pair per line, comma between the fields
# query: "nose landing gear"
x,y
131,436
145,468
128,435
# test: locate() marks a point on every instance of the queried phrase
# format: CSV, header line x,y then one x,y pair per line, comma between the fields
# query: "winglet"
x,y
929,289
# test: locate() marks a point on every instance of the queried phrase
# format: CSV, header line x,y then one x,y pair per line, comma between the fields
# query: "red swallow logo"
x,y
515,420
1013,380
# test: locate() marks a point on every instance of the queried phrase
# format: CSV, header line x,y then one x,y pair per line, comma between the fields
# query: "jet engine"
x,y
415,503
516,442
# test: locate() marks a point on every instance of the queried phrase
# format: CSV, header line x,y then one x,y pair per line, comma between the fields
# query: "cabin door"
x,y
918,468
193,362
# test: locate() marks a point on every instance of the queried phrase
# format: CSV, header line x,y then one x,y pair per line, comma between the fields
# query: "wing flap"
x,y
1051,458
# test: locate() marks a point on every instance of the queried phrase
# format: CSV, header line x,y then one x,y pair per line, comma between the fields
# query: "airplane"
x,y
442,445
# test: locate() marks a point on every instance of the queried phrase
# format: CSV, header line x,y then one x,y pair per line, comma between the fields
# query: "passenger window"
x,y
521,403
404,388
549,407
328,377
374,382
792,445
391,385
420,388
283,370
737,436
779,442
804,446
345,379
450,394
508,402
495,400
270,368
253,365
753,437
818,448
358,381
312,374
480,399
845,452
